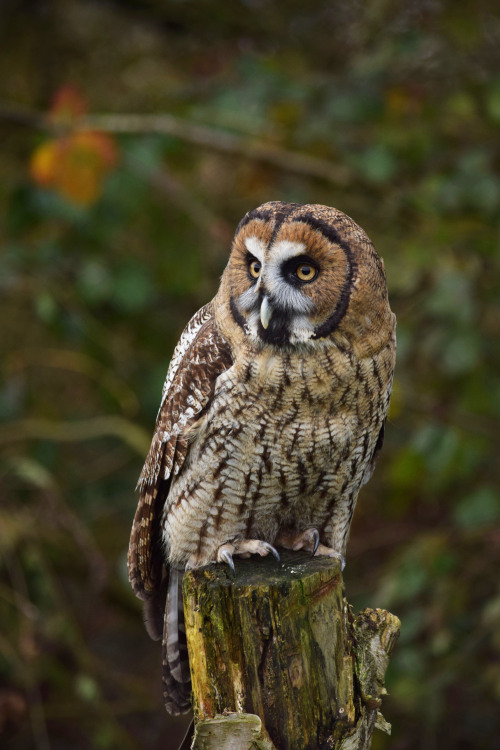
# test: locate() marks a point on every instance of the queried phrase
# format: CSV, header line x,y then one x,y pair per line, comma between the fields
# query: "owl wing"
x,y
376,451
201,355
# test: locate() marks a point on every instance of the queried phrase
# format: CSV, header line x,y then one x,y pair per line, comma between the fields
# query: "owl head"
x,y
302,274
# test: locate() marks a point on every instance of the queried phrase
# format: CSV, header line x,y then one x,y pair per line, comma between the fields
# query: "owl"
x,y
272,413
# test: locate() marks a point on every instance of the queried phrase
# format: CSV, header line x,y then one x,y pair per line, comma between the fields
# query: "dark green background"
x,y
402,99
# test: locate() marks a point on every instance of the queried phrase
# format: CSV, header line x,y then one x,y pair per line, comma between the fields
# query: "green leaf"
x,y
493,101
86,688
377,163
132,288
480,508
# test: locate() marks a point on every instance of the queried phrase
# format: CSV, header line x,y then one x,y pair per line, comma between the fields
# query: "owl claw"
x,y
249,547
315,535
271,549
245,548
323,551
309,541
224,555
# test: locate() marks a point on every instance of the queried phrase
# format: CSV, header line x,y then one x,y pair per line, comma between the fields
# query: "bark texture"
x,y
277,659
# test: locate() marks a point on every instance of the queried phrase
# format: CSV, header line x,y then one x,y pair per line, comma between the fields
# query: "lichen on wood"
x,y
231,732
279,642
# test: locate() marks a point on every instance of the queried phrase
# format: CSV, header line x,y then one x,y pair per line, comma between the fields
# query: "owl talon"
x,y
315,536
271,549
307,540
224,555
245,548
255,547
323,551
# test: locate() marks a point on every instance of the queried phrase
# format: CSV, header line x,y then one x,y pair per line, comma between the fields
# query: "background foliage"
x,y
109,242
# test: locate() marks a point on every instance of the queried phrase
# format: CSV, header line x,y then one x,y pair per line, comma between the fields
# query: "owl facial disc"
x,y
273,307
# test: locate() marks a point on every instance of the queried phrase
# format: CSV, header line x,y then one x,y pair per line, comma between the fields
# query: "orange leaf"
x,y
75,165
67,105
79,181
101,145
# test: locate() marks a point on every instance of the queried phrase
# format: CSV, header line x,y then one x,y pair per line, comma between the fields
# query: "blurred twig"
x,y
184,199
25,654
85,429
428,407
60,514
80,363
185,130
86,661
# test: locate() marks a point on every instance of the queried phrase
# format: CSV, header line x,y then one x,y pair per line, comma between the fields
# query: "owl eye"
x,y
254,268
306,272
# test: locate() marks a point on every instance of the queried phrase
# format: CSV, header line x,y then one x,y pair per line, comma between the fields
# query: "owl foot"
x,y
323,551
244,548
309,541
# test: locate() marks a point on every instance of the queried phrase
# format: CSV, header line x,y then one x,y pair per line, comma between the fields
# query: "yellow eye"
x,y
254,269
305,272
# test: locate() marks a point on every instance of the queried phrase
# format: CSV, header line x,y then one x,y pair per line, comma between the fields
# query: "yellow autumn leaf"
x,y
75,165
43,163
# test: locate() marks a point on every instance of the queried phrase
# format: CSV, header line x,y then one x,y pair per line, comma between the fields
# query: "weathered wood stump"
x,y
278,660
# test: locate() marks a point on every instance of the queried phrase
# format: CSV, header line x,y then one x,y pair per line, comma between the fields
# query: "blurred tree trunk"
x,y
277,659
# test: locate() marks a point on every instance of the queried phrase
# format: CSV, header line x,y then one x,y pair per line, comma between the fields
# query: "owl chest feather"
x,y
282,441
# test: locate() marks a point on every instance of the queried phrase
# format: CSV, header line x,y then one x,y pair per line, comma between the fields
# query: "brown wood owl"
x,y
272,412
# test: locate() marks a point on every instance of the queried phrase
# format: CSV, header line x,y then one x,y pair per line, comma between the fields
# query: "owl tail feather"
x,y
153,611
176,677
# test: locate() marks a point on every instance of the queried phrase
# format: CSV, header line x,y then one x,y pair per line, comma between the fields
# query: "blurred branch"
x,y
185,130
86,429
60,514
25,653
184,199
431,408
86,661
78,362
26,118
22,603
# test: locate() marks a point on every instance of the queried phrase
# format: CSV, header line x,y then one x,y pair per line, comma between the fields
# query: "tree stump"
x,y
278,660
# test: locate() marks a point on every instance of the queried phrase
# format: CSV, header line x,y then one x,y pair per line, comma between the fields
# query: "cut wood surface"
x,y
278,642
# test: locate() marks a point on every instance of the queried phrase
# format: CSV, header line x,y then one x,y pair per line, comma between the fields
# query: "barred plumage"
x,y
272,412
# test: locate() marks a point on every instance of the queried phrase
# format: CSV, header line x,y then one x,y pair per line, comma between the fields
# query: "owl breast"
x,y
285,444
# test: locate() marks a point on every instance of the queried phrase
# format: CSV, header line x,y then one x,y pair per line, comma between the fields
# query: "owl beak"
x,y
266,312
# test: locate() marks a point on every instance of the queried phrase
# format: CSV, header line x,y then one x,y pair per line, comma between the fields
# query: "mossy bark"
x,y
279,642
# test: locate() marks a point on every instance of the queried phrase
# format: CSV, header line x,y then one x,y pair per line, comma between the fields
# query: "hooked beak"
x,y
266,312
